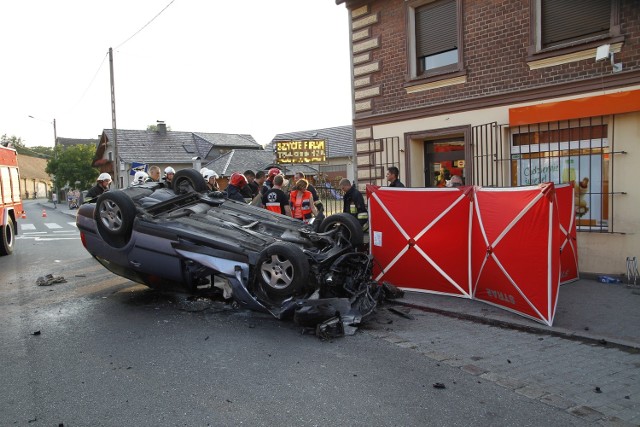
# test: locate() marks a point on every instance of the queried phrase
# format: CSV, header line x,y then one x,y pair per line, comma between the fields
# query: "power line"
x,y
90,83
145,25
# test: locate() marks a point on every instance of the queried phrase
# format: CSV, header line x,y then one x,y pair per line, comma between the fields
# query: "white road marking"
x,y
36,232
46,238
52,225
27,227
73,223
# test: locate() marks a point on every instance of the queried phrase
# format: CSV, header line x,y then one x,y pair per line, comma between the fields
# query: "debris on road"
x,y
49,280
439,385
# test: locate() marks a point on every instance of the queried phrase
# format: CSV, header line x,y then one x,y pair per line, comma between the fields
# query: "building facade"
x,y
506,93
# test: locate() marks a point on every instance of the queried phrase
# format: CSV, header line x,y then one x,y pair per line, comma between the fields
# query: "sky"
x,y
253,67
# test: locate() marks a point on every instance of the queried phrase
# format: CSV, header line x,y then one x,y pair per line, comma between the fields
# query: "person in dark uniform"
x,y
275,200
353,202
268,183
236,183
392,177
251,190
102,185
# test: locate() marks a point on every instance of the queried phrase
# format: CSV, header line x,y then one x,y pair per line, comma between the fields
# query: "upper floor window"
x,y
564,22
435,41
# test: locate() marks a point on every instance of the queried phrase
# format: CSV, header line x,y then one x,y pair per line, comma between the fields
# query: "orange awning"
x,y
601,105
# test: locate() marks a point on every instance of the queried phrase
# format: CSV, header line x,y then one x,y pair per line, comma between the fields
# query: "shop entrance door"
x,y
443,159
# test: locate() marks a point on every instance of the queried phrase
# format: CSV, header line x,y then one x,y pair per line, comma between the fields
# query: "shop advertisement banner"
x,y
584,171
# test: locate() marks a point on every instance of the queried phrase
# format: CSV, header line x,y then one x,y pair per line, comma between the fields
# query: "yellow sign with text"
x,y
301,151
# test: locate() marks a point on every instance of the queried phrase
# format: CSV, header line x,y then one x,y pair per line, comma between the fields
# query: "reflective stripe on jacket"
x,y
301,207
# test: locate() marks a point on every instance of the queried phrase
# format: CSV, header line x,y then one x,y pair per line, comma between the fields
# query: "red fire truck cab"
x,y
10,203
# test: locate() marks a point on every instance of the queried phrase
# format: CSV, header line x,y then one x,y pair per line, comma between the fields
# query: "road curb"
x,y
626,346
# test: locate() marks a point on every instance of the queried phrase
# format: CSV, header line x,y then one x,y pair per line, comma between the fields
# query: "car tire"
x,y
114,215
347,225
8,238
188,180
282,270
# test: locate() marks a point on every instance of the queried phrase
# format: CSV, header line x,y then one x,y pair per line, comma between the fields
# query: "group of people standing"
x,y
142,177
265,189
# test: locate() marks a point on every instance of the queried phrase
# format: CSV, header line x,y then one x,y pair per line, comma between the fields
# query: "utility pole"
x,y
116,167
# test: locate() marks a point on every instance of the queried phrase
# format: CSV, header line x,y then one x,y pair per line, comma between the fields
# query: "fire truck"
x,y
10,203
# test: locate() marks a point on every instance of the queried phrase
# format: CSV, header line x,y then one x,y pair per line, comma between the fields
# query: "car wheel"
x,y
283,270
188,180
347,225
114,215
7,238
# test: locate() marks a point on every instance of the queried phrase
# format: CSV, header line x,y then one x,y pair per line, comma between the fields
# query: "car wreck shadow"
x,y
142,296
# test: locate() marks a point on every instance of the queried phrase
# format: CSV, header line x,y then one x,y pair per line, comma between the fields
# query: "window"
x,y
435,41
563,23
577,152
110,154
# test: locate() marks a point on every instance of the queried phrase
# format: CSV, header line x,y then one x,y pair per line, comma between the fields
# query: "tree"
x,y
72,165
18,144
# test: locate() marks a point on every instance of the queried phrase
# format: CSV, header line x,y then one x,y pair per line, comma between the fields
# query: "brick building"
x,y
506,93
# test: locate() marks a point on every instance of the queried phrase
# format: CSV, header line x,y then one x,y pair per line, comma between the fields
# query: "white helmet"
x,y
104,177
140,177
208,174
169,169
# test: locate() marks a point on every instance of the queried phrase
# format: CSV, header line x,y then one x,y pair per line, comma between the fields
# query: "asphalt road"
x,y
99,350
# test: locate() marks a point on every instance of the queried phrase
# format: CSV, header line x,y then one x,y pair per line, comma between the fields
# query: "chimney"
x,y
162,127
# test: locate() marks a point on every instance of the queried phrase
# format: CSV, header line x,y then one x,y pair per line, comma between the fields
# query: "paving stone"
x,y
531,392
586,413
557,401
566,372
616,422
473,369
436,356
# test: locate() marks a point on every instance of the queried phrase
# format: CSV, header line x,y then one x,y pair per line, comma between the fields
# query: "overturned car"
x,y
180,237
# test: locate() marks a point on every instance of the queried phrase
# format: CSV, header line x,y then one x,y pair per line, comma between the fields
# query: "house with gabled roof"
x,y
162,147
339,143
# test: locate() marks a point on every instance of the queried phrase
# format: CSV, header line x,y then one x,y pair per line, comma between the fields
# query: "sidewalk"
x,y
599,313
64,207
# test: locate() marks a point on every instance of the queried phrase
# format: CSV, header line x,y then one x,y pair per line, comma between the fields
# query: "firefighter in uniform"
x,y
354,202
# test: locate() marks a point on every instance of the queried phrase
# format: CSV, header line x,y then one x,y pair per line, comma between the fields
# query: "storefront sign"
x,y
301,151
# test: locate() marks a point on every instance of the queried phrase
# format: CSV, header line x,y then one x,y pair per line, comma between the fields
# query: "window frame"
x,y
536,51
446,71
591,152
